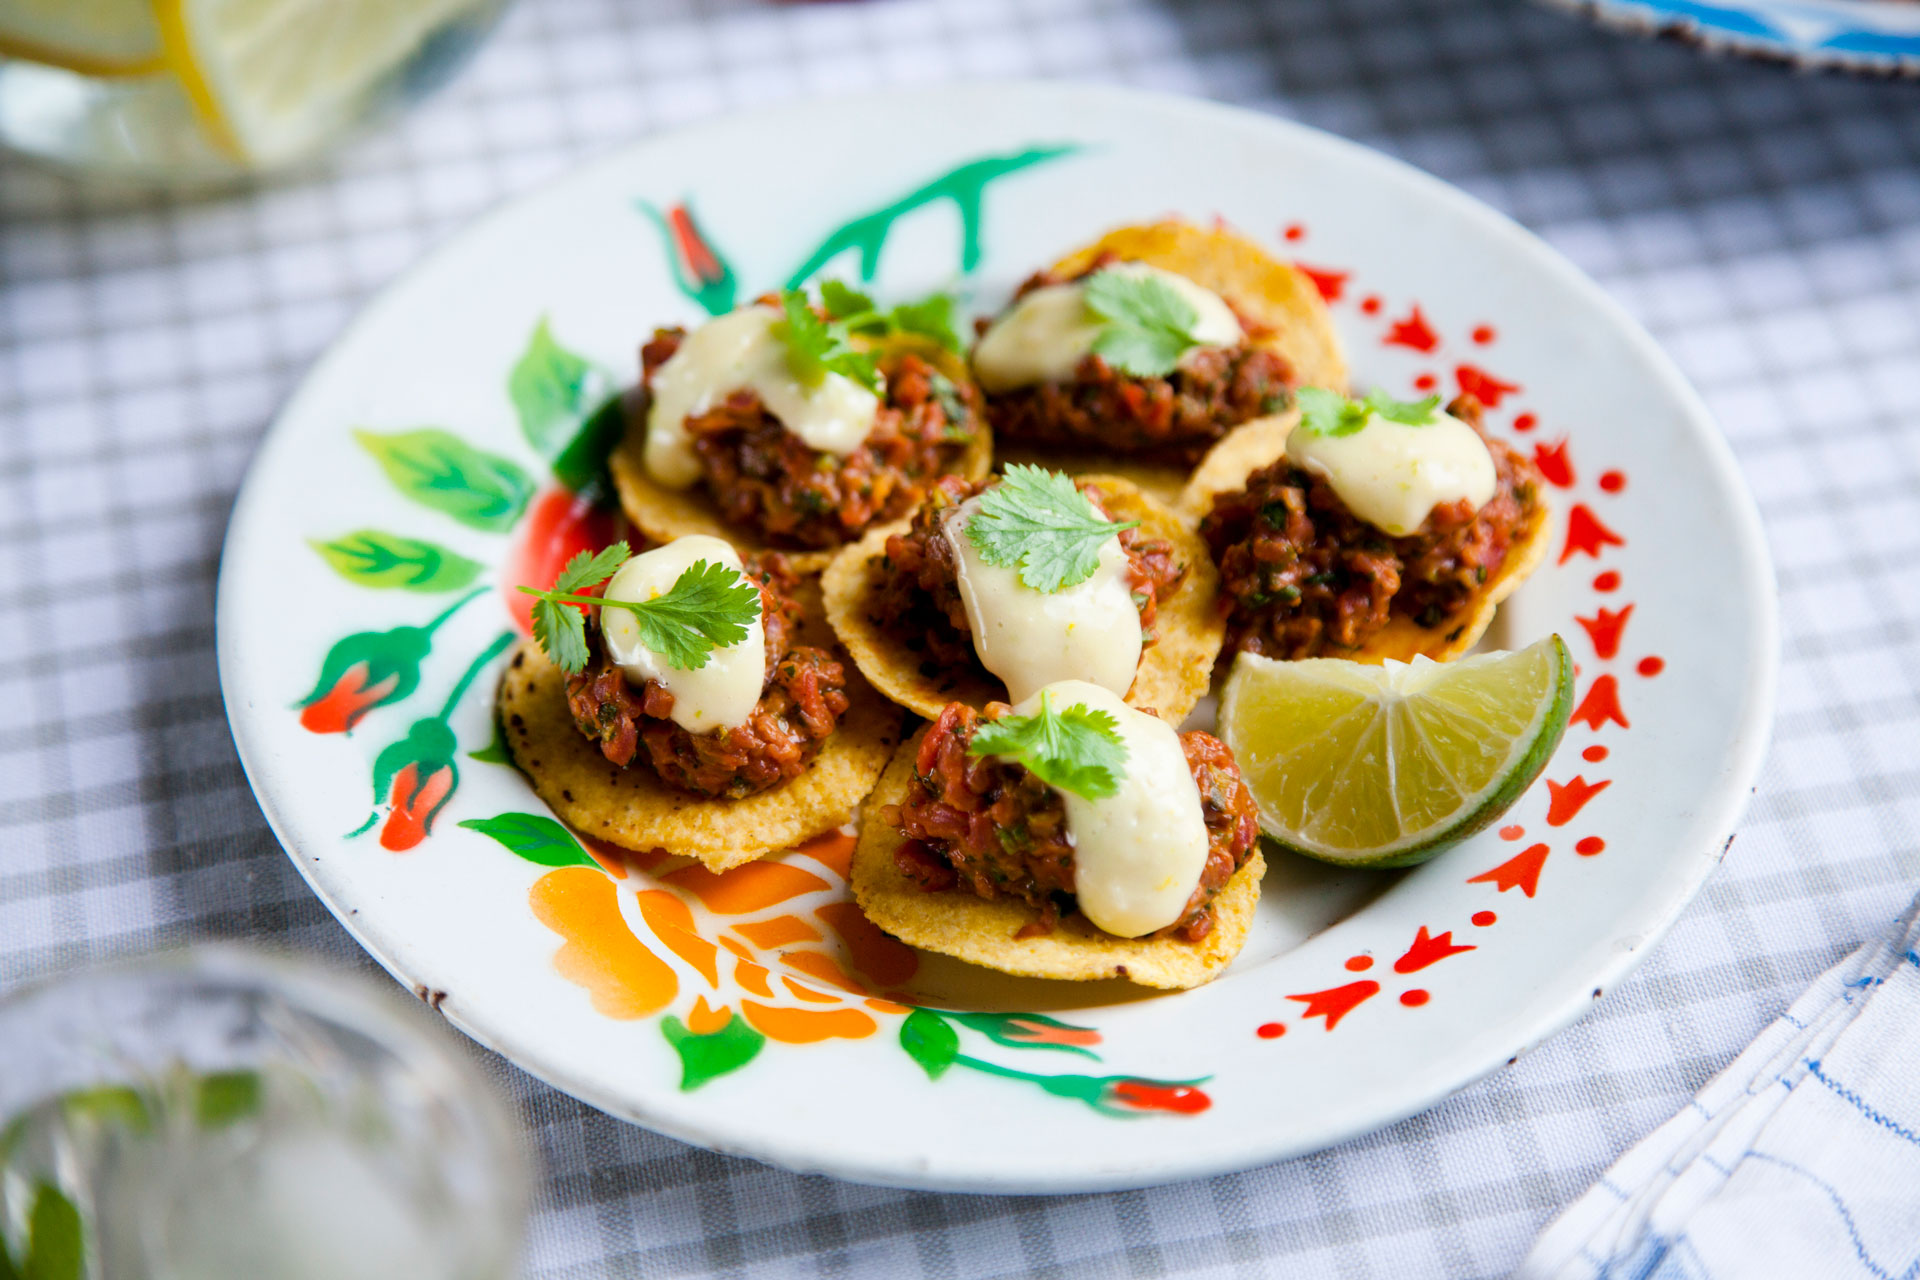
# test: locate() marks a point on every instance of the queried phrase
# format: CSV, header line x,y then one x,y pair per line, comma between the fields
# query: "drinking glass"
x,y
221,1114
192,91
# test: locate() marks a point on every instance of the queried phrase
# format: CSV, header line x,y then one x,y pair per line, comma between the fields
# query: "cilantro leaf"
x,y
708,607
590,569
934,316
817,347
1038,521
1328,413
1148,325
558,627
1409,413
1078,749
843,300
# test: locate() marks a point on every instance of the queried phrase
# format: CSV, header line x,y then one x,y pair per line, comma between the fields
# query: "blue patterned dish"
x,y
1880,37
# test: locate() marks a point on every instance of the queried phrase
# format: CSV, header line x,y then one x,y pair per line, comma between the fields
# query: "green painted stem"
x,y
453,608
494,650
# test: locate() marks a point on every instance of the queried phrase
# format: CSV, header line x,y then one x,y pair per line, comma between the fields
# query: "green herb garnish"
x,y
1039,522
1328,413
934,316
1078,749
708,607
816,347
1149,326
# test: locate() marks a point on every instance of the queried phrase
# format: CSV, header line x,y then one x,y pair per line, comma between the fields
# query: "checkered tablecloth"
x,y
1765,227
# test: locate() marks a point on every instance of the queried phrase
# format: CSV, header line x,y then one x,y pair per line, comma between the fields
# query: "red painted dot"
x,y
1595,753
1270,1031
1608,581
1484,918
1425,382
1295,232
1651,666
1512,833
1415,998
1613,481
1483,335
1370,304
1589,845
1358,963
1525,422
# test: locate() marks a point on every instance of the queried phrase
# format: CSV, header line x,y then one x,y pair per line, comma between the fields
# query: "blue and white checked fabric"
x,y
1801,1159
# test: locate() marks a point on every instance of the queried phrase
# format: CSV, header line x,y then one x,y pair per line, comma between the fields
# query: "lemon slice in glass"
x,y
1385,766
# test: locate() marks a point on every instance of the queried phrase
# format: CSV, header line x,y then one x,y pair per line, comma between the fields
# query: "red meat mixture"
x,y
801,701
1173,418
990,827
918,597
1302,577
766,479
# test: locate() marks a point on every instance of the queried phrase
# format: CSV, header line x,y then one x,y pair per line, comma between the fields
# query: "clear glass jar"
x,y
219,1113
198,91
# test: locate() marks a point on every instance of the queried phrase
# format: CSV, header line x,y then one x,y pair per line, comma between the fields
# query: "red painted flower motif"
x,y
1032,1031
351,697
416,800
1127,1094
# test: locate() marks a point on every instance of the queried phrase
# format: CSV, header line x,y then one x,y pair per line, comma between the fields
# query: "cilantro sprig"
x,y
709,606
1328,413
816,347
1077,749
1148,325
1039,522
934,316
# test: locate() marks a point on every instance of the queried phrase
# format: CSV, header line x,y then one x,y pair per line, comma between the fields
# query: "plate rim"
x,y
1723,805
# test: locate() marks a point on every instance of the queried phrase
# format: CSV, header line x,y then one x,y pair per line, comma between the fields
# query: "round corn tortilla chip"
x,y
1247,448
663,514
1174,671
632,808
984,931
1265,289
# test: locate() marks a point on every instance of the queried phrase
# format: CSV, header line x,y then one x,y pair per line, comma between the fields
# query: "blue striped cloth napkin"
x,y
1801,1159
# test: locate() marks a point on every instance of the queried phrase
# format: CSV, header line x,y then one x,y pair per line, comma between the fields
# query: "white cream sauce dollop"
x,y
719,695
1392,475
742,351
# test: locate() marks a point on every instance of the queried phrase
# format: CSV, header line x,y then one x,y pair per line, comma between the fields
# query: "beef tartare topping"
x,y
1391,461
1073,799
1127,358
1049,330
959,584
716,691
801,439
746,350
798,694
1303,576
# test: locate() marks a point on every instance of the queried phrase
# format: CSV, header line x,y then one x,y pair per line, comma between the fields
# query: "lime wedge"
x,y
1385,766
90,37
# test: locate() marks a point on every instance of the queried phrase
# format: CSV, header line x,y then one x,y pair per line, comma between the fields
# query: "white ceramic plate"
x,y
747,1013
1868,37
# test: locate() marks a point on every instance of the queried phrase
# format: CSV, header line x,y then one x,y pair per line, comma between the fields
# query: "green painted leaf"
x,y
547,386
930,1040
56,1246
371,558
224,1097
582,465
495,752
535,837
703,1057
440,470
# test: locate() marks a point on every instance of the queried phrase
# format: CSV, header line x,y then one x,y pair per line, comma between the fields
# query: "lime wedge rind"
x,y
1423,761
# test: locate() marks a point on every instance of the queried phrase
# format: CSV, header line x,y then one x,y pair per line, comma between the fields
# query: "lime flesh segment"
x,y
1385,766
